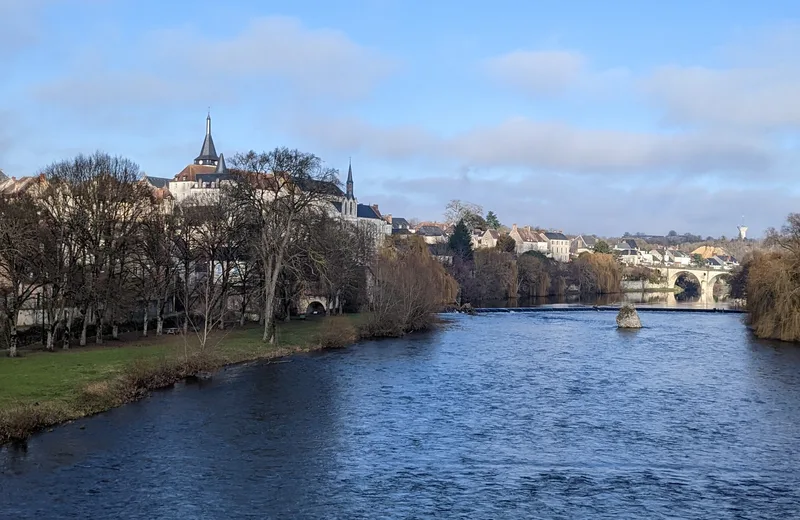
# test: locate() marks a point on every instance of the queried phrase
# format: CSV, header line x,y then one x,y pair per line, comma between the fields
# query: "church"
x,y
208,171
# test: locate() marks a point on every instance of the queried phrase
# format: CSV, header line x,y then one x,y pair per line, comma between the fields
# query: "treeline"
x,y
97,247
497,274
770,283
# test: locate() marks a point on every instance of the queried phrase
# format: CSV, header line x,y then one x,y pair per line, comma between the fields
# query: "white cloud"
x,y
270,56
755,97
537,145
537,72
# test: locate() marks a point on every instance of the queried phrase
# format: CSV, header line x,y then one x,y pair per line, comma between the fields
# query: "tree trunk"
x,y
98,335
115,331
50,339
84,329
12,340
162,302
67,330
160,324
144,322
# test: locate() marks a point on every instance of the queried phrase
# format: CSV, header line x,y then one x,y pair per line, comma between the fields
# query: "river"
x,y
526,415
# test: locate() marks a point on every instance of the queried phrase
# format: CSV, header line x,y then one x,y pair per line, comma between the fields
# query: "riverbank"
x,y
42,389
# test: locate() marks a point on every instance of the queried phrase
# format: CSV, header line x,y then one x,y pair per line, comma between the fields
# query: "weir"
x,y
614,308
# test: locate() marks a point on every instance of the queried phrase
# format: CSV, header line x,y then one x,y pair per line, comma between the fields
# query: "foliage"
x,y
493,277
597,273
461,241
772,282
533,272
468,212
506,244
409,288
697,260
642,273
492,221
601,246
337,332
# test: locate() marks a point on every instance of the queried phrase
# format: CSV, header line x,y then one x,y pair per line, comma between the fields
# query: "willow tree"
x,y
277,190
773,285
409,287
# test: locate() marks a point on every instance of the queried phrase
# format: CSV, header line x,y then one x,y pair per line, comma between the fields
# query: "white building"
x,y
557,246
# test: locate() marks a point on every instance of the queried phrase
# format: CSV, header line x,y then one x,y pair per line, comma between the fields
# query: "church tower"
x,y
350,204
208,154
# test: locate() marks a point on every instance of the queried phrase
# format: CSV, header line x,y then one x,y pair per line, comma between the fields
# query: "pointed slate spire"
x,y
221,168
350,195
208,154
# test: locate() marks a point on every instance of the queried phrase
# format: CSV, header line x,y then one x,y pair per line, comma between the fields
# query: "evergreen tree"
x,y
602,247
492,221
461,241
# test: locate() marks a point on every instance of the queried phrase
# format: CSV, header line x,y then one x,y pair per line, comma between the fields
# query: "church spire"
x,y
221,168
208,154
350,195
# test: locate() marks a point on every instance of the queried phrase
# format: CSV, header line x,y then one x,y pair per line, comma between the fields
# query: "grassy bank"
x,y
42,389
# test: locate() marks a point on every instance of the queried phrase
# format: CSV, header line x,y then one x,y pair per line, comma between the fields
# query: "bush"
x,y
409,288
773,296
17,424
337,332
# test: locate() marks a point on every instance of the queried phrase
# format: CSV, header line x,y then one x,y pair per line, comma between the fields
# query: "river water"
x,y
539,415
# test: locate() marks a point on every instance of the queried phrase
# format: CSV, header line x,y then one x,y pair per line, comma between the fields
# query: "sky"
x,y
581,116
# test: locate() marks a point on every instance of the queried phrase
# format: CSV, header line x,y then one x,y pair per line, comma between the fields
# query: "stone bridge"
x,y
705,276
308,304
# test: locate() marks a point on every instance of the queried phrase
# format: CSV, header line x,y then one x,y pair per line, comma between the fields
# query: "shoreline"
x,y
147,368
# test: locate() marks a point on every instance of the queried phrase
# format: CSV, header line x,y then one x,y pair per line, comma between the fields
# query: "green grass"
x,y
59,377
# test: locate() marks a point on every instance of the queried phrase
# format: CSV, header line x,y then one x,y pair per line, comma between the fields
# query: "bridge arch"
x,y
705,276
312,305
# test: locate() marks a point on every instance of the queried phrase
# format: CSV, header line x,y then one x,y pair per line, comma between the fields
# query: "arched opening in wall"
x,y
689,286
722,288
315,309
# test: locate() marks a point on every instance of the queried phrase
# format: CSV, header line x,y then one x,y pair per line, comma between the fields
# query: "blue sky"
x,y
584,116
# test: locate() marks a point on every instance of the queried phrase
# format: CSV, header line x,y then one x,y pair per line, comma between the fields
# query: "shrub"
x,y
337,332
409,288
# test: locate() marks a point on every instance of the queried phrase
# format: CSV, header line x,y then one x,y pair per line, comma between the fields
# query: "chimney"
x,y
389,218
375,207
513,227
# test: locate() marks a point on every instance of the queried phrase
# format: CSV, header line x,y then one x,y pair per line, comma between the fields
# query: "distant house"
x,y
680,258
400,226
557,246
528,240
489,238
722,262
627,244
431,234
582,244
631,257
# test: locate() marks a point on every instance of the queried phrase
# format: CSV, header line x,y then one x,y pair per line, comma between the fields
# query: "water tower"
x,y
742,232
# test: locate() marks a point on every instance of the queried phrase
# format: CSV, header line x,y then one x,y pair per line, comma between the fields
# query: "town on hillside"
x,y
208,172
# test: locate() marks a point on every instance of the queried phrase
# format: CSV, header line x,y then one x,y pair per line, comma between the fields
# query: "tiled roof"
x,y
366,211
158,182
17,186
555,236
430,231
190,172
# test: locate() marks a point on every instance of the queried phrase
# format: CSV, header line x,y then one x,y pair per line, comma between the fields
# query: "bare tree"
x,y
457,210
20,255
60,257
277,190
109,203
208,286
158,262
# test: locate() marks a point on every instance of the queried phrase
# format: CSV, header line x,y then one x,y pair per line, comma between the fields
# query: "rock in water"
x,y
628,318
